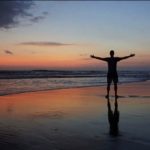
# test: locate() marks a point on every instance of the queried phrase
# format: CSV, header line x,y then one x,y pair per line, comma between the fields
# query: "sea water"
x,y
12,82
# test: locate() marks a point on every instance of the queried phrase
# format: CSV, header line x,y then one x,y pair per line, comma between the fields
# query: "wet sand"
x,y
72,119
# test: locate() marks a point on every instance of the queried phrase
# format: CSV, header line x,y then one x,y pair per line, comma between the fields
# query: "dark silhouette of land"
x,y
112,74
113,118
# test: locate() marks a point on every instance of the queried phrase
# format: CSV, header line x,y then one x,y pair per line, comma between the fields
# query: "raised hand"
x,y
131,55
92,56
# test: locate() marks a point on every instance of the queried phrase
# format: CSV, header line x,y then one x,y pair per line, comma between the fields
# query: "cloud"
x,y
39,18
8,52
45,13
11,11
44,43
86,59
84,54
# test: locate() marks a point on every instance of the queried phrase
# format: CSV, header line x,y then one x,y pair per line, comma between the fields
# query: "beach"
x,y
75,118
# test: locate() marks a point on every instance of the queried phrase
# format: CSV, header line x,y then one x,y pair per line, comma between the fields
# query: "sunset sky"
x,y
62,35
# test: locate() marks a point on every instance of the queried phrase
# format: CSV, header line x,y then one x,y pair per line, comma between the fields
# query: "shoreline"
x,y
67,88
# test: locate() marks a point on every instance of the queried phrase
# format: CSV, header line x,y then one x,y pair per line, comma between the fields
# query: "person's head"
x,y
112,53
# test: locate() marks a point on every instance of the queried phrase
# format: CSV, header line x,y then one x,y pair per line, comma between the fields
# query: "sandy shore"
x,y
72,119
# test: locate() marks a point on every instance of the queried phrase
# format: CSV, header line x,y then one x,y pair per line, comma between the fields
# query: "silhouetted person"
x,y
113,118
112,74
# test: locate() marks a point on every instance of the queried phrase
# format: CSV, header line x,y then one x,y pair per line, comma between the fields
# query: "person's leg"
x,y
115,88
115,80
109,80
108,88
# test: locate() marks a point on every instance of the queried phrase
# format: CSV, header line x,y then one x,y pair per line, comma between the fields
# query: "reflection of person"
x,y
112,69
113,118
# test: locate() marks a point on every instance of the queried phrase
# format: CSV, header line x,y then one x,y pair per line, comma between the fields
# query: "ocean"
x,y
13,82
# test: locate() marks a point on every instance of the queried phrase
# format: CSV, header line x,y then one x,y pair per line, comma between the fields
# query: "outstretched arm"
x,y
100,58
125,57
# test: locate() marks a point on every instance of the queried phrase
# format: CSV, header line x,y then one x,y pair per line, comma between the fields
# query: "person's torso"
x,y
112,66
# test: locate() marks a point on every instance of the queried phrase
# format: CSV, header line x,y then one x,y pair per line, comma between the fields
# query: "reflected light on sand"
x,y
69,103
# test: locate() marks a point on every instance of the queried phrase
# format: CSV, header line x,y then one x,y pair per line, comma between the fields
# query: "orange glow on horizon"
x,y
62,62
65,57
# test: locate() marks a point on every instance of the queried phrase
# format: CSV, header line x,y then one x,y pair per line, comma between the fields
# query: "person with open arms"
x,y
112,74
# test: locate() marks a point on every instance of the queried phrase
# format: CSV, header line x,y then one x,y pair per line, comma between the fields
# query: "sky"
x,y
63,34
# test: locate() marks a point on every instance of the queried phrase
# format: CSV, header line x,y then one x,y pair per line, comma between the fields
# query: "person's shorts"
x,y
111,78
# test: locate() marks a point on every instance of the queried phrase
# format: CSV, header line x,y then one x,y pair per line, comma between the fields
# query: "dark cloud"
x,y
37,18
44,43
11,11
8,52
45,13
